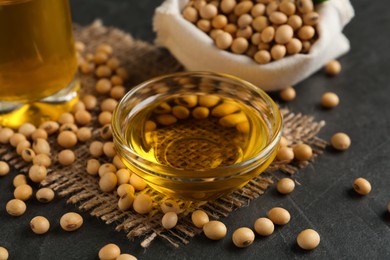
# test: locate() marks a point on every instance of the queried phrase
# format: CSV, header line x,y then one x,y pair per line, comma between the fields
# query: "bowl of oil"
x,y
196,135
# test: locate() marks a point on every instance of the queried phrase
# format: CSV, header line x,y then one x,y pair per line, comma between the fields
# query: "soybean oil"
x,y
196,132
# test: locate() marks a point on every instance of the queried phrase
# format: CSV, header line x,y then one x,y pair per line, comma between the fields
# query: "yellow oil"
x,y
37,57
196,144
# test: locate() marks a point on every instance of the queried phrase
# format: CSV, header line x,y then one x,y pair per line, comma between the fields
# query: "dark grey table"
x,y
351,227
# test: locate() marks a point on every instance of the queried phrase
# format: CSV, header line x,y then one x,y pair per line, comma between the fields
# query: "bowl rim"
x,y
274,140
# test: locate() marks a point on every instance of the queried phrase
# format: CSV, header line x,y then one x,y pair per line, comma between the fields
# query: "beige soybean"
x,y
39,225
258,10
104,47
137,182
84,134
124,189
103,71
278,18
22,146
208,100
302,152
288,94
163,108
306,32
113,63
78,106
126,201
37,173
215,32
204,25
116,81
66,157
105,117
19,180
41,146
214,230
285,154
311,18
284,34
169,220
208,11
106,132
50,127
272,7
224,40
117,92
330,100
285,185
260,23
187,100
262,57
100,58
16,207
39,133
219,21
83,117
106,167
123,176
109,104
243,237
239,45
27,129
287,7
227,6
283,141
109,149
243,7
308,239
96,149
67,139
126,257
42,160
190,14
109,252
333,68
264,226
16,138
108,182
294,46
118,162
3,253
199,218
4,168
66,118
71,221
170,206
93,166
295,21
244,32
45,195
279,216
143,203
5,135
340,141
306,45
231,28
244,20
268,34
103,86
69,127
90,102
122,72
362,186
23,192
305,6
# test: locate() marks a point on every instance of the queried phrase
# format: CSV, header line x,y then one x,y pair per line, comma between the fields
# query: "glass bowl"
x,y
231,138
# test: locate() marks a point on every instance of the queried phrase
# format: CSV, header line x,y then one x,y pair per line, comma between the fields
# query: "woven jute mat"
x,y
143,61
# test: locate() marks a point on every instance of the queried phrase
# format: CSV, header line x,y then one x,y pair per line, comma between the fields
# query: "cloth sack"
x,y
197,51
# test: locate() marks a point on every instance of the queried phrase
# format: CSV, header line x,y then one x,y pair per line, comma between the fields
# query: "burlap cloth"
x,y
143,61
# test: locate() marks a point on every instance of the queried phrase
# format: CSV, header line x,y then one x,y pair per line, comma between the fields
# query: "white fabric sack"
x,y
196,50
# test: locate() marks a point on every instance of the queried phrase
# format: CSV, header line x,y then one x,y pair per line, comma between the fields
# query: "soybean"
x,y
23,192
199,218
45,195
143,204
264,226
215,230
285,185
4,168
71,221
362,186
340,141
279,216
109,251
16,207
243,237
308,239
170,206
169,220
39,225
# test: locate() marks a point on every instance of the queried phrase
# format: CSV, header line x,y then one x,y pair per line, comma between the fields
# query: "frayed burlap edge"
x,y
144,61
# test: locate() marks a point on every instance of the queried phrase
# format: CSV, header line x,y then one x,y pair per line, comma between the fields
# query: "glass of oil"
x,y
38,62
197,135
